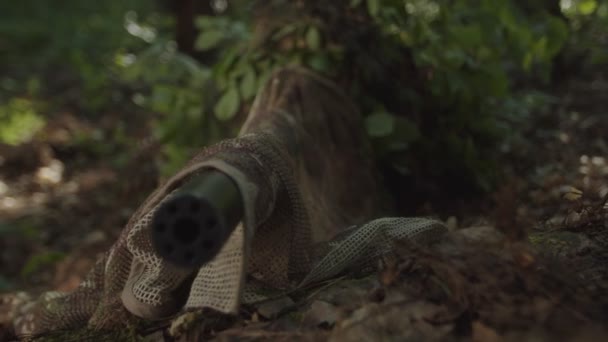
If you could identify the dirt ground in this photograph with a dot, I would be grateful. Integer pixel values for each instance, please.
(528, 264)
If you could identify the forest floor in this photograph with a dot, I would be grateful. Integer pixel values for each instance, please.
(528, 266)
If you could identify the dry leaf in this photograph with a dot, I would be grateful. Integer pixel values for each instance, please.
(273, 308)
(483, 333)
(321, 313)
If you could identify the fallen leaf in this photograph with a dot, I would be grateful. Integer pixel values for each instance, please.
(483, 333)
(321, 313)
(273, 308)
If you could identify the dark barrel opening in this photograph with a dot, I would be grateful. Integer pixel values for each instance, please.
(191, 227)
(186, 230)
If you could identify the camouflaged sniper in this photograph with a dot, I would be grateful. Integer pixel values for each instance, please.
(303, 169)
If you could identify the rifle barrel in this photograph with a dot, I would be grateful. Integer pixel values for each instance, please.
(191, 227)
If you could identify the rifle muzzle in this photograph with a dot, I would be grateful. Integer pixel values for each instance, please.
(190, 229)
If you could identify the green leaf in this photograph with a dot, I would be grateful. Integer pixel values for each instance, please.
(373, 7)
(19, 121)
(248, 84)
(204, 22)
(506, 17)
(284, 31)
(226, 108)
(313, 38)
(355, 3)
(540, 48)
(207, 40)
(380, 124)
(558, 31)
(320, 62)
(587, 7)
(162, 99)
(455, 57)
(240, 67)
(527, 62)
(470, 36)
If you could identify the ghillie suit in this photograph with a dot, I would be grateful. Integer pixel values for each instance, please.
(310, 195)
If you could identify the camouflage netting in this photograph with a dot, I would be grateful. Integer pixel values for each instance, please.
(310, 194)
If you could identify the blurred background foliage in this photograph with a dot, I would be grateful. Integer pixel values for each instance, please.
(442, 84)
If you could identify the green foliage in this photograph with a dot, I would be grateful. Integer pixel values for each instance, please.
(177, 90)
(589, 22)
(575, 8)
(228, 104)
(65, 47)
(470, 52)
(18, 121)
(219, 31)
(434, 78)
(457, 61)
